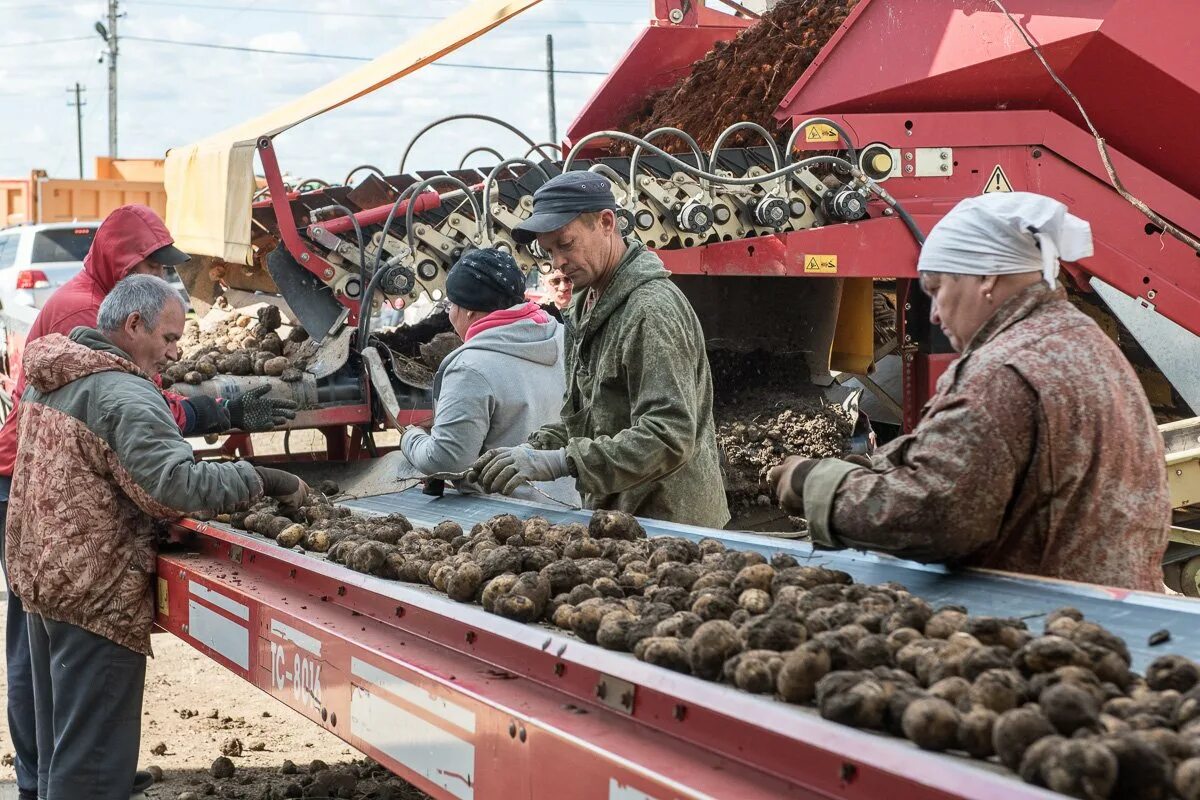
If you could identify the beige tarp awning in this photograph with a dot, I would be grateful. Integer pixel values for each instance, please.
(210, 184)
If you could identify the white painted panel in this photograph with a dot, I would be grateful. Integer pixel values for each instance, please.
(296, 637)
(619, 791)
(219, 600)
(410, 693)
(423, 747)
(220, 633)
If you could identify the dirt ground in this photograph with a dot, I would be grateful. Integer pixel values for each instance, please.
(194, 707)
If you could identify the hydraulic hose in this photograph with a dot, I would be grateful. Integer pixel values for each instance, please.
(451, 118)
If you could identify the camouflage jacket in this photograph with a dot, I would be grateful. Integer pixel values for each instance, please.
(100, 460)
(1039, 454)
(637, 419)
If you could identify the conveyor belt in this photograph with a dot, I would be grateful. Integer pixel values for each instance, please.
(1131, 615)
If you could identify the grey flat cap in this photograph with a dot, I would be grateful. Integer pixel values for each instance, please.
(563, 198)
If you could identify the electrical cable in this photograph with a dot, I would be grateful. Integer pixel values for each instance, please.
(481, 149)
(700, 173)
(1101, 144)
(487, 186)
(754, 126)
(339, 57)
(453, 117)
(631, 197)
(364, 306)
(553, 148)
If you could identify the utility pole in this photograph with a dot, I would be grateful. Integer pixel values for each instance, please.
(109, 35)
(78, 104)
(550, 86)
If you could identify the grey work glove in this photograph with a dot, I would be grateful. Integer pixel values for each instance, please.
(254, 411)
(505, 469)
(290, 491)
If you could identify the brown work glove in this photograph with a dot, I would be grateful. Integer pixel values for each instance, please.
(290, 491)
(787, 482)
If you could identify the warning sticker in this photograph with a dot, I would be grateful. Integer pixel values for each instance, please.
(997, 182)
(164, 598)
(820, 133)
(820, 265)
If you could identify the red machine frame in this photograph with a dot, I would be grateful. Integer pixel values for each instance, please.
(464, 704)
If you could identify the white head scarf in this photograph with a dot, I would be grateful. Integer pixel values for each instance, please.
(1004, 233)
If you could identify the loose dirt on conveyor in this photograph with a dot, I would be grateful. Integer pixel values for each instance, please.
(741, 79)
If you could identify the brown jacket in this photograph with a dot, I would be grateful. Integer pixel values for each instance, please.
(101, 460)
(1039, 454)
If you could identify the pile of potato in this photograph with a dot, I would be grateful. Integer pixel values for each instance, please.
(228, 342)
(1063, 710)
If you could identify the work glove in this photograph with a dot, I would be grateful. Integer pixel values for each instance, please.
(254, 411)
(505, 469)
(787, 482)
(290, 491)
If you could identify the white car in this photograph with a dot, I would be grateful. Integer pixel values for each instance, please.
(37, 259)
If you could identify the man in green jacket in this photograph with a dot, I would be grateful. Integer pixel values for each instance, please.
(637, 427)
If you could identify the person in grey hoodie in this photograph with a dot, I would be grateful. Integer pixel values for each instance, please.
(503, 383)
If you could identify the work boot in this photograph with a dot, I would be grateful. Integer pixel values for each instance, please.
(142, 781)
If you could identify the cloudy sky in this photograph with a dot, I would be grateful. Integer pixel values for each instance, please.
(172, 94)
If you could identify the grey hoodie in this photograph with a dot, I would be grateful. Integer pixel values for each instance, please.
(493, 391)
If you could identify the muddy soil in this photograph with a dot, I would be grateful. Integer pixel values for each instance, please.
(744, 78)
(766, 410)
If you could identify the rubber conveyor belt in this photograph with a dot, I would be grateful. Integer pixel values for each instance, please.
(1131, 615)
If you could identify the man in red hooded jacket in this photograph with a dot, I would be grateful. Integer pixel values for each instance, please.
(131, 240)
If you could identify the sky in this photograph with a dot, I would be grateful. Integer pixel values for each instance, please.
(171, 94)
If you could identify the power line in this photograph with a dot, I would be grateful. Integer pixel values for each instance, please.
(361, 14)
(340, 57)
(46, 41)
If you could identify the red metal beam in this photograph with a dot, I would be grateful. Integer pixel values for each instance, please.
(467, 704)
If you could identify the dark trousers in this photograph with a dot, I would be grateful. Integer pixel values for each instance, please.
(88, 697)
(21, 726)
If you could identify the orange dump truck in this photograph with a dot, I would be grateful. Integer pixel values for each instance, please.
(40, 198)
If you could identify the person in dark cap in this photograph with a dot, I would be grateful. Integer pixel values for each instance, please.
(636, 429)
(505, 381)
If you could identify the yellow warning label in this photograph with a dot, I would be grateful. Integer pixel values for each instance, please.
(820, 133)
(997, 182)
(164, 604)
(820, 265)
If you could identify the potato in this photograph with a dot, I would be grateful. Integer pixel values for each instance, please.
(975, 732)
(1069, 707)
(1172, 672)
(998, 689)
(862, 705)
(1143, 773)
(614, 628)
(1187, 779)
(756, 576)
(931, 723)
(290, 536)
(772, 632)
(615, 525)
(464, 582)
(756, 601)
(952, 690)
(712, 643)
(799, 673)
(757, 671)
(1015, 731)
(664, 651)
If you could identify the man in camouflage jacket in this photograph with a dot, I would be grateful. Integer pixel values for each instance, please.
(637, 428)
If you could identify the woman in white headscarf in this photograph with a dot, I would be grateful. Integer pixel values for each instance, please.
(1039, 453)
